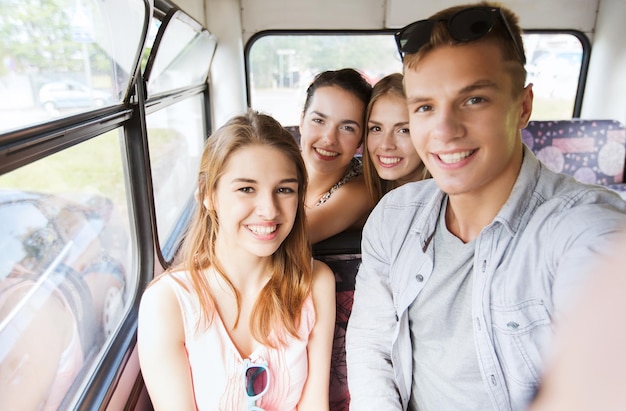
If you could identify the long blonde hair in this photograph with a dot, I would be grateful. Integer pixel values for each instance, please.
(281, 300)
(376, 186)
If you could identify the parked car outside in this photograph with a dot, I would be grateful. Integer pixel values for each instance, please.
(70, 94)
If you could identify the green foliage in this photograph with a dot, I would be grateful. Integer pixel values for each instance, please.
(94, 166)
(38, 34)
(315, 53)
(35, 33)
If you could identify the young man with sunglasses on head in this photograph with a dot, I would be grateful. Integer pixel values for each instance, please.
(464, 276)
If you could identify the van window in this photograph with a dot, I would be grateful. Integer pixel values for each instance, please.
(281, 66)
(66, 269)
(60, 58)
(176, 136)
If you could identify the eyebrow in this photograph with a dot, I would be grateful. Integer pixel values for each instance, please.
(253, 181)
(479, 85)
(378, 123)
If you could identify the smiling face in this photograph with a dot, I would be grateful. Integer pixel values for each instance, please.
(256, 201)
(465, 119)
(389, 142)
(331, 129)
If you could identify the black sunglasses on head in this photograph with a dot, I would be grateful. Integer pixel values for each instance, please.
(466, 25)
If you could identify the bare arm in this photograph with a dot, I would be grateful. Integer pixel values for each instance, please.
(316, 390)
(162, 355)
(349, 205)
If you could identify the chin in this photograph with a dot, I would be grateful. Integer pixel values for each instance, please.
(390, 176)
(265, 250)
(449, 187)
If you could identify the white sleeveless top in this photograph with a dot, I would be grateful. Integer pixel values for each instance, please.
(217, 367)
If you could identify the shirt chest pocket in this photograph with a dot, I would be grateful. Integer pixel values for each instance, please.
(521, 336)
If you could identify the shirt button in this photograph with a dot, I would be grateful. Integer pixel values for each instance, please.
(512, 325)
(420, 278)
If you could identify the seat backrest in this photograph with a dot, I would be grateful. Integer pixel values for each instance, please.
(591, 151)
(342, 253)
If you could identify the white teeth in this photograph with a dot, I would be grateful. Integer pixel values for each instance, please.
(390, 160)
(326, 153)
(262, 229)
(454, 157)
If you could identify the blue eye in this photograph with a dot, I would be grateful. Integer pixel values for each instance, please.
(475, 100)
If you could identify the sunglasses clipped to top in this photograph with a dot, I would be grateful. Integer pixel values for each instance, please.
(256, 379)
(466, 25)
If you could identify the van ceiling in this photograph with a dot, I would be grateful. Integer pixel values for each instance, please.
(377, 14)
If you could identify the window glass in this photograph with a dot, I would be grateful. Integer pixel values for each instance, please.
(176, 138)
(554, 64)
(66, 272)
(281, 66)
(184, 51)
(65, 56)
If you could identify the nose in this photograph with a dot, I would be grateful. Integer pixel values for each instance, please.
(267, 205)
(330, 135)
(448, 125)
(388, 141)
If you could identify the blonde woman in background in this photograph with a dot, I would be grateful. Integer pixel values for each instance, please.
(389, 157)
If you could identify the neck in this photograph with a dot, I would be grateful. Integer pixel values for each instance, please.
(466, 219)
(468, 213)
(244, 271)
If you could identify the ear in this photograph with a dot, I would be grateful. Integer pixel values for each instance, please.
(208, 204)
(526, 106)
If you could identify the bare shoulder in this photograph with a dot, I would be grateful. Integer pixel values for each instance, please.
(158, 300)
(355, 191)
(157, 289)
(356, 184)
(160, 318)
(323, 278)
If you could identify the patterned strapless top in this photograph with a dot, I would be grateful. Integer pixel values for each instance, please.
(354, 169)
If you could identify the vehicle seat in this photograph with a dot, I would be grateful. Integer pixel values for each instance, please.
(591, 151)
(342, 253)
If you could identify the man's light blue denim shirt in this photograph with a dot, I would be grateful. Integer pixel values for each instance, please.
(528, 263)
